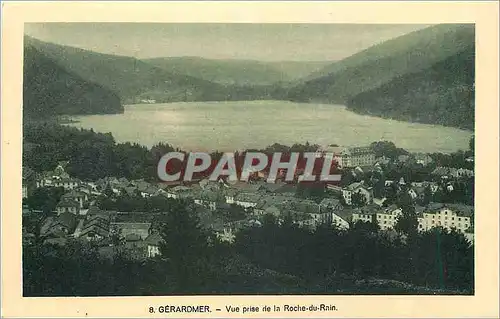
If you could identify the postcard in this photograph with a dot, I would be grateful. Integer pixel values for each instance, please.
(250, 159)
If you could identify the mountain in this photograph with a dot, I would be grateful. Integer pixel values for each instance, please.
(381, 63)
(440, 94)
(132, 79)
(49, 89)
(420, 77)
(135, 80)
(237, 72)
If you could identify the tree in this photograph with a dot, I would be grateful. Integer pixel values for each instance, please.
(108, 191)
(427, 196)
(407, 222)
(358, 199)
(45, 199)
(387, 149)
(185, 247)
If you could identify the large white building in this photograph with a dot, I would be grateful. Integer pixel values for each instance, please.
(350, 157)
(458, 217)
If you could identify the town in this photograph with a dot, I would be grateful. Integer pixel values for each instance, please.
(115, 212)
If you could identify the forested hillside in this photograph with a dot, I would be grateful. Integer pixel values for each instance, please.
(49, 89)
(399, 70)
(238, 72)
(441, 94)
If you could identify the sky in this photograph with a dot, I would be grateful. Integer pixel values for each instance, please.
(265, 42)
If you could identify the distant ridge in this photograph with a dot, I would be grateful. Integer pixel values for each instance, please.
(238, 72)
(391, 65)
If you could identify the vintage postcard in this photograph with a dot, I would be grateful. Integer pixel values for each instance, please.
(266, 159)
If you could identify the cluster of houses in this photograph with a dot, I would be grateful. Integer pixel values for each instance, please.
(77, 215)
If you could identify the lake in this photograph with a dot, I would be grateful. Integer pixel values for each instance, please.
(229, 126)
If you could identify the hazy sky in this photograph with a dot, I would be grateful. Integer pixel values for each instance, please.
(301, 42)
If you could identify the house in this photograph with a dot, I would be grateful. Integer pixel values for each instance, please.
(365, 214)
(230, 194)
(177, 192)
(448, 216)
(76, 196)
(269, 204)
(342, 218)
(142, 230)
(60, 226)
(28, 181)
(247, 200)
(447, 172)
(359, 188)
(68, 206)
(301, 207)
(422, 159)
(388, 218)
(350, 157)
(153, 245)
(358, 156)
(24, 190)
(96, 228)
(209, 199)
(462, 172)
(66, 183)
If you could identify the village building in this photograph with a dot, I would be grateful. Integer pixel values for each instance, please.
(178, 192)
(153, 242)
(359, 188)
(365, 214)
(246, 199)
(60, 226)
(76, 196)
(28, 181)
(96, 228)
(271, 204)
(68, 206)
(209, 199)
(350, 157)
(230, 194)
(422, 159)
(142, 230)
(448, 216)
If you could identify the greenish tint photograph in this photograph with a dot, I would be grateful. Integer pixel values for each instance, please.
(103, 103)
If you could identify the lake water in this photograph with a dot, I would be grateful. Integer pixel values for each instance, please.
(229, 126)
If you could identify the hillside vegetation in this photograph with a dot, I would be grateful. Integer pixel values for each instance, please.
(135, 80)
(130, 78)
(51, 90)
(237, 72)
(441, 94)
(406, 65)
